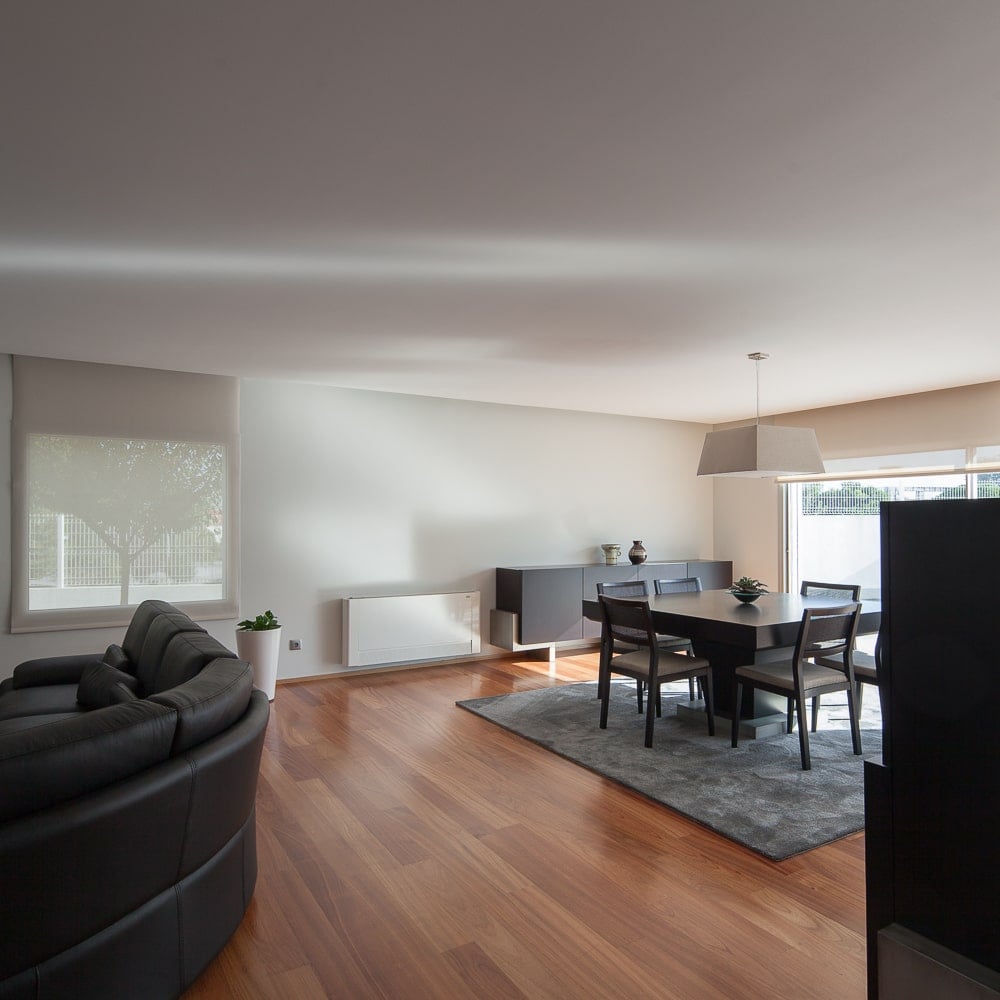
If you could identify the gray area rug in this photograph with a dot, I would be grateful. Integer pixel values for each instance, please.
(756, 795)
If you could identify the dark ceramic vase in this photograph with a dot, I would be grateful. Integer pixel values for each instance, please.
(637, 554)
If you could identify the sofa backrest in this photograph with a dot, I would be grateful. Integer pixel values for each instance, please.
(149, 668)
(183, 657)
(66, 758)
(210, 702)
(143, 616)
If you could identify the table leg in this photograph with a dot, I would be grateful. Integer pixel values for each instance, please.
(761, 713)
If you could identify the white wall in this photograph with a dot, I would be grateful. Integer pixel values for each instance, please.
(349, 493)
(748, 512)
(352, 493)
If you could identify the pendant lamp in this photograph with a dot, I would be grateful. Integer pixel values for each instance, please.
(760, 449)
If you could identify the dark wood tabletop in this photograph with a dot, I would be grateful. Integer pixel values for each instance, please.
(715, 616)
(732, 634)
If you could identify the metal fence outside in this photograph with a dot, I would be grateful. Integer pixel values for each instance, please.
(852, 499)
(65, 552)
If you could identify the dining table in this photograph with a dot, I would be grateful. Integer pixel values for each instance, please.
(730, 634)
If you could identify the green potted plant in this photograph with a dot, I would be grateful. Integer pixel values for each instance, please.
(747, 589)
(258, 641)
(262, 623)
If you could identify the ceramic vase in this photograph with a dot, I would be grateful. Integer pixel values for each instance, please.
(612, 550)
(260, 650)
(637, 554)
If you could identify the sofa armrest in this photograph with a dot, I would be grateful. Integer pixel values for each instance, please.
(52, 670)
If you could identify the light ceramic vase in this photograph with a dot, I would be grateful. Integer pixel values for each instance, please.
(611, 553)
(260, 650)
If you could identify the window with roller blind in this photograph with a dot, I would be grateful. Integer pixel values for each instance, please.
(832, 521)
(126, 487)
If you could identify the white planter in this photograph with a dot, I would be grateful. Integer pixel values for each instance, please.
(260, 650)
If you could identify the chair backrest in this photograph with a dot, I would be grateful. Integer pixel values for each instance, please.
(827, 632)
(626, 620)
(627, 588)
(834, 591)
(682, 585)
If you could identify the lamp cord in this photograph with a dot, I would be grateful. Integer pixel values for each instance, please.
(757, 357)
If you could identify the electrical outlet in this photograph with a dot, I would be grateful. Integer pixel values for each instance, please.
(294, 643)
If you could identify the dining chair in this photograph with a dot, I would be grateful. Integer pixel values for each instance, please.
(682, 585)
(630, 620)
(833, 592)
(866, 669)
(624, 588)
(829, 632)
(639, 588)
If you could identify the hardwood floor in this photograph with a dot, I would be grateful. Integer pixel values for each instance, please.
(410, 849)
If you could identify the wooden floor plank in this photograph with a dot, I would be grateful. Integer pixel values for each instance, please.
(408, 849)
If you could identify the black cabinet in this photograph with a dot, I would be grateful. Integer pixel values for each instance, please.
(933, 803)
(547, 600)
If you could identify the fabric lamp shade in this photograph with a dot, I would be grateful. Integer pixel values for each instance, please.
(760, 450)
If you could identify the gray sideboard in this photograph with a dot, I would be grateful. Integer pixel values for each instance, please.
(542, 605)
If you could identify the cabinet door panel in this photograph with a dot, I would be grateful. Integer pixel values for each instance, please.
(551, 604)
(662, 571)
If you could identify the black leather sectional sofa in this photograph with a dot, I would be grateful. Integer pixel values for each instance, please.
(127, 823)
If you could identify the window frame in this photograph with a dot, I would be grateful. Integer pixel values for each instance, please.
(866, 469)
(81, 399)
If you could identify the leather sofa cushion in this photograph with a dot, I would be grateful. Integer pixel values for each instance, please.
(114, 656)
(102, 685)
(148, 668)
(46, 764)
(44, 700)
(184, 656)
(30, 721)
(143, 616)
(210, 702)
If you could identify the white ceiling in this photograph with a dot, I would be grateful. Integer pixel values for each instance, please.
(589, 205)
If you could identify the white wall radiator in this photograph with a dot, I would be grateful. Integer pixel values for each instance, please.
(404, 629)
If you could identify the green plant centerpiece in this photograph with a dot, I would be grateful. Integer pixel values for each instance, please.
(747, 589)
(262, 623)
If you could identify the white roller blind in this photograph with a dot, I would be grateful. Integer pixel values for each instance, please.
(126, 487)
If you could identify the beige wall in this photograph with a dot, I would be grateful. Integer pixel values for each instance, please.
(748, 512)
